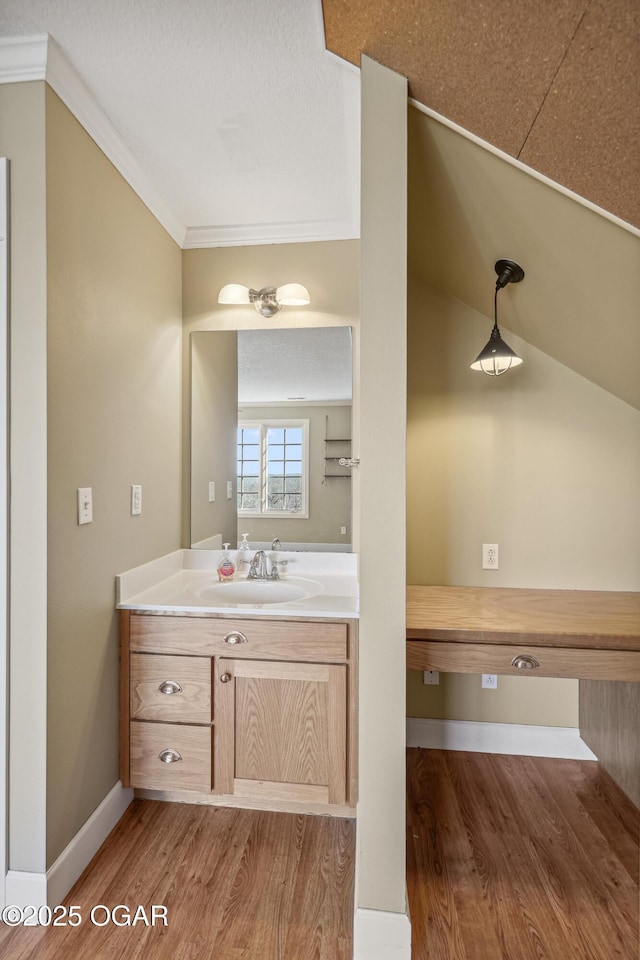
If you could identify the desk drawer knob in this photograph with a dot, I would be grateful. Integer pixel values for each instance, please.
(235, 637)
(169, 756)
(525, 662)
(170, 687)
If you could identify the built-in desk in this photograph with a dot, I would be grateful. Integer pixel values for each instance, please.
(589, 635)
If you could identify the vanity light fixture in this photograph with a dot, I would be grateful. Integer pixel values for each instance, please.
(497, 357)
(268, 300)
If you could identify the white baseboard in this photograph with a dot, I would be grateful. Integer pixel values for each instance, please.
(521, 739)
(26, 889)
(379, 935)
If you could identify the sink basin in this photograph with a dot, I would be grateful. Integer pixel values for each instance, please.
(258, 591)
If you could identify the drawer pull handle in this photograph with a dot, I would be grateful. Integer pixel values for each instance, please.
(525, 662)
(169, 756)
(225, 677)
(170, 687)
(235, 637)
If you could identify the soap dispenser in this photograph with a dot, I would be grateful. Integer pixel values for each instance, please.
(244, 549)
(226, 567)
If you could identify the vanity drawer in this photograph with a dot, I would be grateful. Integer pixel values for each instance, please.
(506, 659)
(174, 689)
(252, 639)
(188, 748)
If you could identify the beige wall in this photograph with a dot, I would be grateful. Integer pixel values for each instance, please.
(330, 271)
(541, 461)
(114, 396)
(22, 141)
(214, 417)
(329, 500)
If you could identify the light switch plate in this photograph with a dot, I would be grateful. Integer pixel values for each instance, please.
(136, 499)
(229, 489)
(431, 677)
(212, 491)
(85, 505)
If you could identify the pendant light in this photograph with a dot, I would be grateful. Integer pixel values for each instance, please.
(497, 357)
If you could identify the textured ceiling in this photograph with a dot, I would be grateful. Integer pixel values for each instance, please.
(554, 84)
(312, 364)
(235, 111)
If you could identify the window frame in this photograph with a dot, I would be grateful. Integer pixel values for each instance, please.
(263, 426)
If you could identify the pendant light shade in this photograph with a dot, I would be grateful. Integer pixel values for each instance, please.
(497, 357)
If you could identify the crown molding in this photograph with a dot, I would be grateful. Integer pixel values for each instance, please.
(301, 231)
(40, 58)
(23, 58)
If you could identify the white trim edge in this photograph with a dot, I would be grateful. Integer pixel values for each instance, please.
(379, 935)
(303, 231)
(520, 739)
(519, 165)
(26, 889)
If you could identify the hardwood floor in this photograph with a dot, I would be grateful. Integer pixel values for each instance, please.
(237, 885)
(519, 858)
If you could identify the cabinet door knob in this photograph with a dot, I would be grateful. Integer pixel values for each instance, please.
(525, 662)
(225, 677)
(169, 756)
(170, 687)
(235, 637)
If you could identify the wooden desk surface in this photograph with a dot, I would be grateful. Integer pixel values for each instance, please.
(589, 619)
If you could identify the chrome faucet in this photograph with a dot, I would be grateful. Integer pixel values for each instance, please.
(259, 569)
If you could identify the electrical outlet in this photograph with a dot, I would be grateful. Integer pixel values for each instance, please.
(229, 489)
(85, 505)
(212, 490)
(490, 556)
(136, 499)
(343, 530)
(490, 681)
(431, 677)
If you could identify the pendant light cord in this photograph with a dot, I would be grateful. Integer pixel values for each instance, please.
(495, 309)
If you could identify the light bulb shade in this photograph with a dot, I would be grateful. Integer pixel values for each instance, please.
(234, 293)
(293, 295)
(496, 357)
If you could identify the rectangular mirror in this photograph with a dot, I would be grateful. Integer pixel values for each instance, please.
(270, 422)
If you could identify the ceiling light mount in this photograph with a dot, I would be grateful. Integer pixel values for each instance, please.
(268, 300)
(497, 357)
(508, 272)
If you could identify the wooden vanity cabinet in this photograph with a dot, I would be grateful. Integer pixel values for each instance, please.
(240, 710)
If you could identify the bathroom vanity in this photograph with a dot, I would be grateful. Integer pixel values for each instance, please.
(241, 703)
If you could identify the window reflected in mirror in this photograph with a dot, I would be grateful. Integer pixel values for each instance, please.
(270, 422)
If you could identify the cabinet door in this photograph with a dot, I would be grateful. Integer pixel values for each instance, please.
(281, 730)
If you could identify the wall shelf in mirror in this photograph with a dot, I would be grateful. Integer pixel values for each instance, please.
(333, 455)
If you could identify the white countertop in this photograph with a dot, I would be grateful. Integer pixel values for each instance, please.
(185, 581)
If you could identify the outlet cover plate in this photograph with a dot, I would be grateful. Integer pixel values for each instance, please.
(490, 556)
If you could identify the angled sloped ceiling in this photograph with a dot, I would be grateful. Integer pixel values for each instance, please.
(556, 85)
(580, 299)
